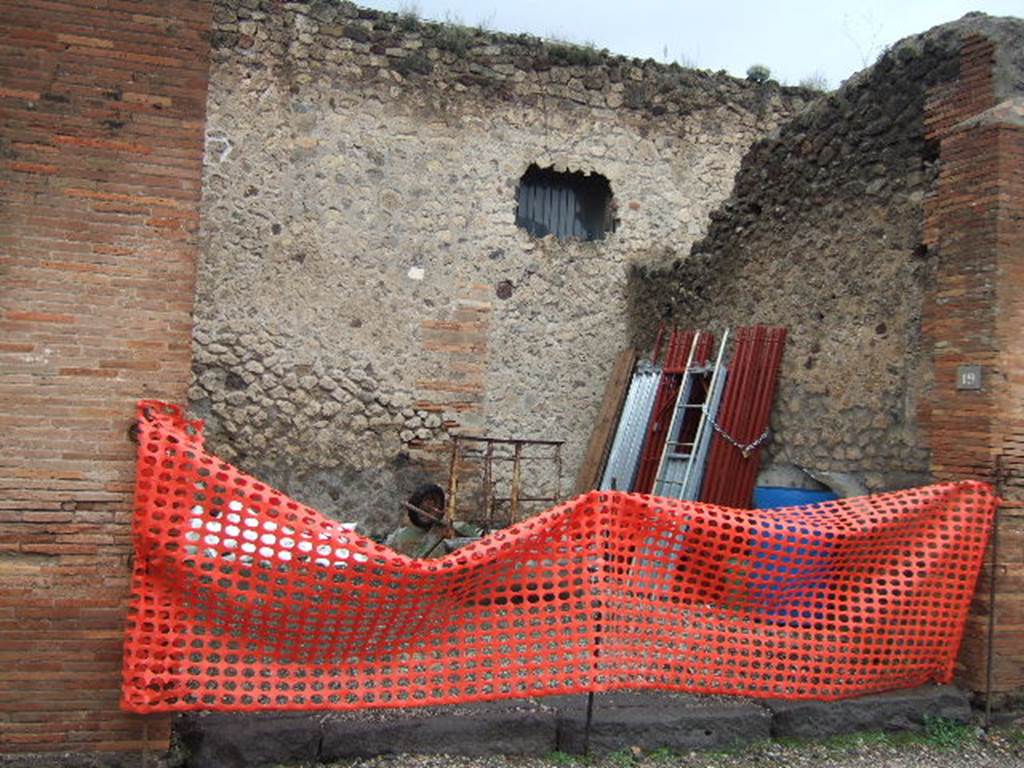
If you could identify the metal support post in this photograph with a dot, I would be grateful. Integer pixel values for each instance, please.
(516, 480)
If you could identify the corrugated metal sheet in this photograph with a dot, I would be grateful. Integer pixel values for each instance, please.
(629, 436)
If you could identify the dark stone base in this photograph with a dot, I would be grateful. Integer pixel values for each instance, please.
(895, 711)
(538, 727)
(657, 720)
(480, 729)
(249, 738)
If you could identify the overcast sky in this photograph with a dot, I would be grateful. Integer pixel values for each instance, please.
(796, 39)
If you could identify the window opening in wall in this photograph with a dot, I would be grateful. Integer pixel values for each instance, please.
(566, 205)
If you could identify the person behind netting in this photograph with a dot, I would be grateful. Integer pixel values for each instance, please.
(425, 537)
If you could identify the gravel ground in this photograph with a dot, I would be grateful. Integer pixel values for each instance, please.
(953, 747)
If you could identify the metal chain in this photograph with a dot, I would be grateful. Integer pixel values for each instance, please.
(747, 449)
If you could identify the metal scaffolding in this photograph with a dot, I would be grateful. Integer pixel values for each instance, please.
(486, 482)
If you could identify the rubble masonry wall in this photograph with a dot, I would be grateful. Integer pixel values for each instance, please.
(822, 234)
(359, 220)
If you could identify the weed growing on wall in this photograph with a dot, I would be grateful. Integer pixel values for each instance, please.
(758, 73)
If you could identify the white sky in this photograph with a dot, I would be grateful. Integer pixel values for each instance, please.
(795, 38)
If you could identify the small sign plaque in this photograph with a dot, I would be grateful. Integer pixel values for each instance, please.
(968, 377)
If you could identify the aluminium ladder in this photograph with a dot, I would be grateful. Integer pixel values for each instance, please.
(681, 468)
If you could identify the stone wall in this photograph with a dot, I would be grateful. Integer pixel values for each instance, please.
(823, 234)
(882, 227)
(101, 140)
(364, 290)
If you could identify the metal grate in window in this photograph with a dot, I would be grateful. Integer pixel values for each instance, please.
(566, 205)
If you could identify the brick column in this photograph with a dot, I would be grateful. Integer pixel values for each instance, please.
(1003, 129)
(460, 343)
(973, 316)
(102, 108)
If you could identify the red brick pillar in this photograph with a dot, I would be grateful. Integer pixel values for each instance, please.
(102, 109)
(973, 317)
(1003, 127)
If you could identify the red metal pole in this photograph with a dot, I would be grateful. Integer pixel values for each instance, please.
(740, 419)
(656, 351)
(744, 415)
(661, 413)
(747, 434)
(717, 456)
(768, 355)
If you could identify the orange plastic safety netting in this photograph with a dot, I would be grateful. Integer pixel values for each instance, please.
(244, 599)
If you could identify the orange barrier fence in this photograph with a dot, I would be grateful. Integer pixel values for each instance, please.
(243, 599)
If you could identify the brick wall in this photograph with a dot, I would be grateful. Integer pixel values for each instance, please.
(973, 316)
(102, 108)
(459, 346)
(1008, 646)
(959, 314)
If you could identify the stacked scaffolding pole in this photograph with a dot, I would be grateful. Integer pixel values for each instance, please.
(742, 423)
